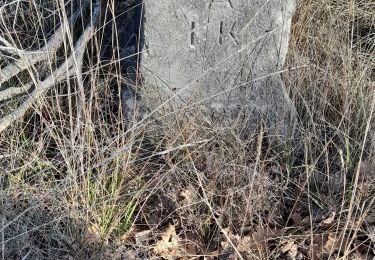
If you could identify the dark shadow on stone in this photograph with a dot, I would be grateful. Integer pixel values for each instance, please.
(121, 47)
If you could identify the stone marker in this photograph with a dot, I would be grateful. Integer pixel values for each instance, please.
(223, 54)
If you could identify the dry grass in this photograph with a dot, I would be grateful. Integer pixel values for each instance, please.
(78, 180)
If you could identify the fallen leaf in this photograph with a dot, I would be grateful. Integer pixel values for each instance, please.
(331, 244)
(168, 246)
(92, 234)
(226, 246)
(356, 256)
(290, 248)
(248, 245)
(127, 235)
(189, 195)
(191, 243)
(142, 238)
(243, 245)
(300, 256)
(124, 253)
(263, 236)
(329, 220)
(297, 219)
(335, 244)
(313, 252)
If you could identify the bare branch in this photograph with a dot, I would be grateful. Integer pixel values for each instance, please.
(29, 59)
(14, 91)
(63, 72)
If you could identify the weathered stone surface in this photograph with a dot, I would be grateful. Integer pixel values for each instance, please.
(223, 54)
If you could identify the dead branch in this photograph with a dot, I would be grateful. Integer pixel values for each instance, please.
(14, 91)
(29, 59)
(71, 67)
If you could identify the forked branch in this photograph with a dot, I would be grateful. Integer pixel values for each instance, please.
(29, 59)
(71, 67)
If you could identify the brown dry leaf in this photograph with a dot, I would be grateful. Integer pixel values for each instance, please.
(123, 252)
(191, 244)
(262, 236)
(190, 249)
(242, 244)
(313, 252)
(128, 234)
(329, 220)
(142, 238)
(168, 246)
(92, 234)
(247, 245)
(333, 244)
(297, 219)
(290, 248)
(226, 246)
(189, 195)
(359, 256)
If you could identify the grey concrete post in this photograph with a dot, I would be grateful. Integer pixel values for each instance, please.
(223, 55)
